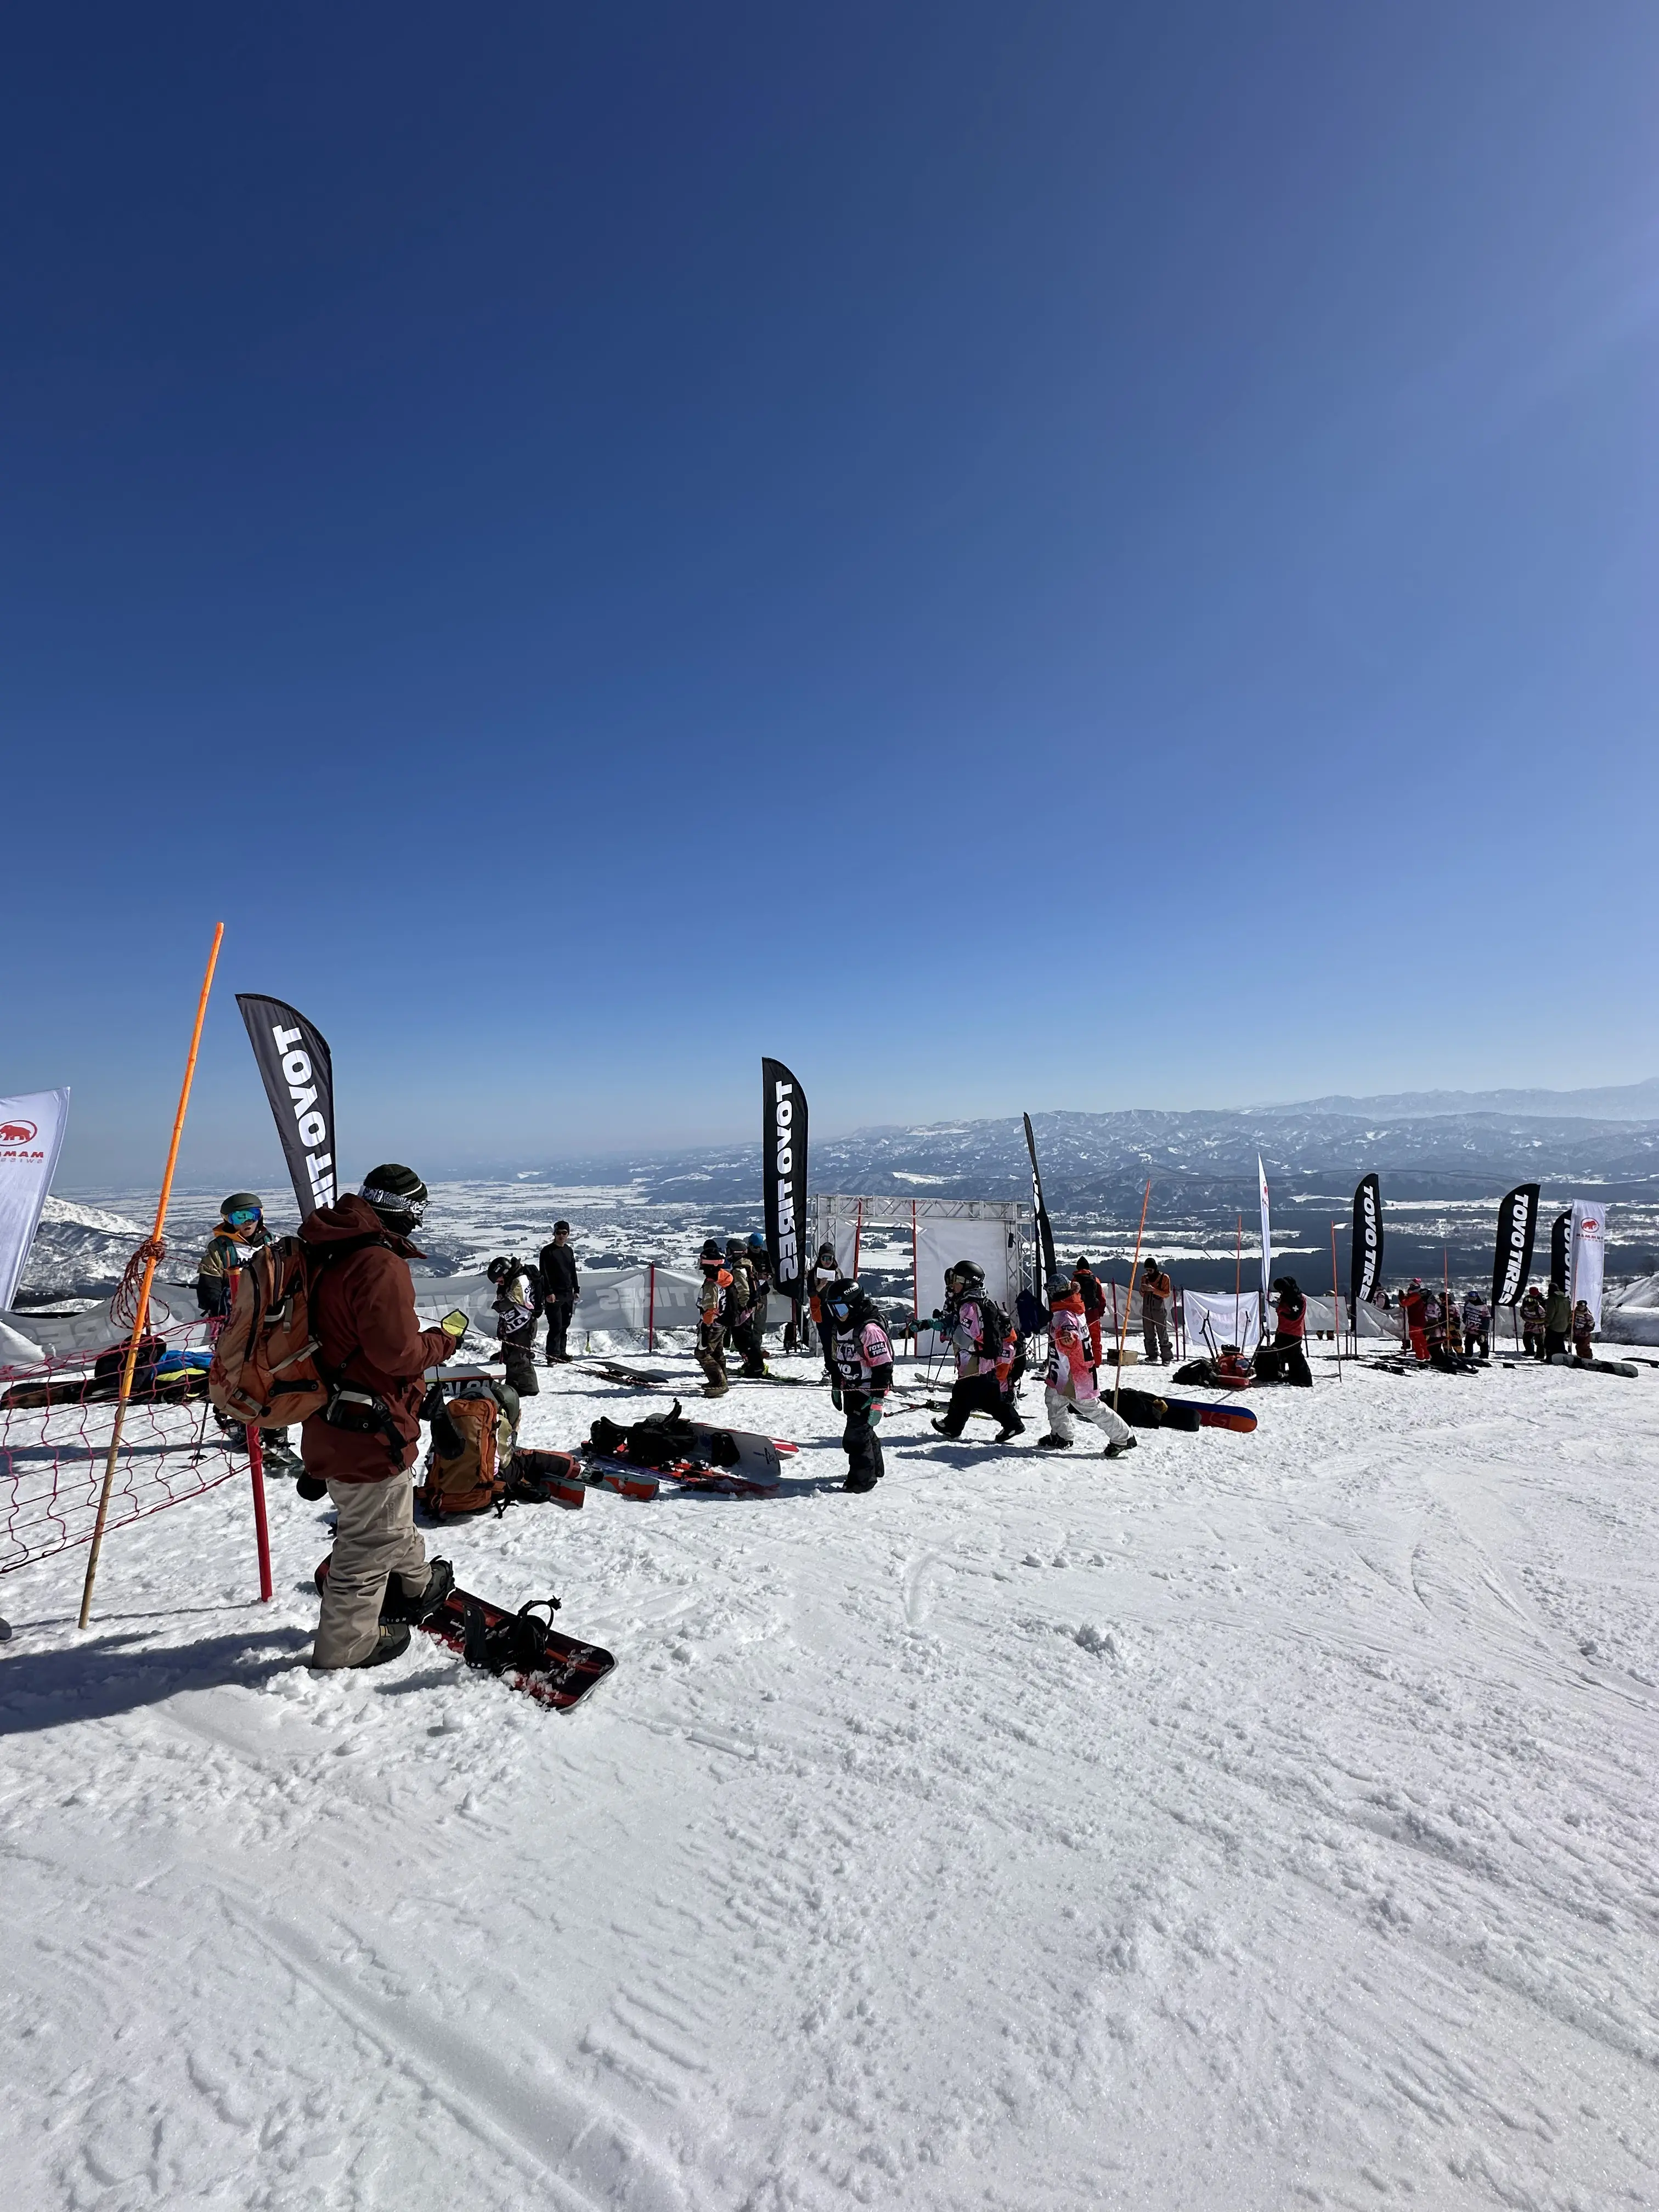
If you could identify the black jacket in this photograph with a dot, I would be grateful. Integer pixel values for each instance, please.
(558, 1267)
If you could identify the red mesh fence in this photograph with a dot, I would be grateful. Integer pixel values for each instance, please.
(56, 1422)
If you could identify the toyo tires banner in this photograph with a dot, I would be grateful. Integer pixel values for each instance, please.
(1560, 1265)
(32, 1127)
(1517, 1223)
(297, 1070)
(783, 1175)
(1365, 1259)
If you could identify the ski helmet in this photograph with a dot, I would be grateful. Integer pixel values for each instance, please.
(710, 1255)
(757, 1242)
(844, 1301)
(968, 1274)
(498, 1271)
(242, 1209)
(396, 1194)
(1059, 1286)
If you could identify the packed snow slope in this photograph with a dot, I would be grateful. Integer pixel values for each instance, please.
(1253, 1822)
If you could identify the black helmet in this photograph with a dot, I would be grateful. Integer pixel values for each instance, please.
(1081, 1264)
(396, 1194)
(845, 1302)
(710, 1255)
(968, 1272)
(498, 1271)
(734, 1248)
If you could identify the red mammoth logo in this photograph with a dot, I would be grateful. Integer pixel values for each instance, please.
(16, 1132)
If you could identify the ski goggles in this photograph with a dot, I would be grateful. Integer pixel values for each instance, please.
(839, 1307)
(395, 1201)
(245, 1217)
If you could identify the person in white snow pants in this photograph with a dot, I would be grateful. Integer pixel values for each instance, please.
(1070, 1385)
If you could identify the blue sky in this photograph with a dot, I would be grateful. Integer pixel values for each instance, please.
(1057, 556)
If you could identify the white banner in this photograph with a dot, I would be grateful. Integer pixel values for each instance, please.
(31, 1136)
(1588, 1253)
(1232, 1319)
(1267, 1236)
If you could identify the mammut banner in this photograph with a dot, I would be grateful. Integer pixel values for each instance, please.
(783, 1174)
(1517, 1221)
(1044, 1231)
(1560, 1240)
(1366, 1261)
(32, 1127)
(1589, 1239)
(298, 1072)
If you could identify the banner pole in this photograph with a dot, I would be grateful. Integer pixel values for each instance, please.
(256, 1467)
(1118, 1386)
(152, 1251)
(1336, 1305)
(651, 1311)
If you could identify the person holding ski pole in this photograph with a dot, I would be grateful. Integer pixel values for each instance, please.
(987, 1344)
(860, 1377)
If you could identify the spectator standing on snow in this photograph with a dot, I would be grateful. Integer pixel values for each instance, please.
(1155, 1288)
(740, 1303)
(825, 1270)
(1094, 1303)
(861, 1376)
(1413, 1301)
(711, 1319)
(362, 1445)
(1558, 1321)
(986, 1344)
(1532, 1321)
(1070, 1387)
(518, 1308)
(1583, 1332)
(240, 1232)
(760, 1268)
(561, 1288)
(1290, 1332)
(1477, 1325)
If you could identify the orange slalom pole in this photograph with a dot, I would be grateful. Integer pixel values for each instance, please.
(152, 1255)
(1117, 1387)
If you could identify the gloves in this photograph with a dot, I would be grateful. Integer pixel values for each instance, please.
(311, 1487)
(454, 1325)
(834, 1396)
(874, 1414)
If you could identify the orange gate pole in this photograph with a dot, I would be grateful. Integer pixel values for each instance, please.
(153, 1251)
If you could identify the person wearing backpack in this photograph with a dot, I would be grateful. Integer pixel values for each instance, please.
(744, 1302)
(1289, 1331)
(561, 1288)
(1070, 1387)
(518, 1307)
(712, 1295)
(1094, 1303)
(240, 1233)
(987, 1344)
(374, 1355)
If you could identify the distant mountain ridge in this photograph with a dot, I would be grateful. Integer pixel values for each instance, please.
(1622, 1102)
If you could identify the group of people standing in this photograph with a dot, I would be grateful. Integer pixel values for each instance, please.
(732, 1308)
(526, 1294)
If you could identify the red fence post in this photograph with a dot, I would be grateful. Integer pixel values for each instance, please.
(256, 1467)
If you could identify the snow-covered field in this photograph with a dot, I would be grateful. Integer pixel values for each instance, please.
(1256, 1822)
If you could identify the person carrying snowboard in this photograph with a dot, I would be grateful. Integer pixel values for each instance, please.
(1532, 1321)
(1155, 1291)
(240, 1232)
(1094, 1303)
(861, 1376)
(1290, 1330)
(518, 1307)
(362, 1445)
(711, 1319)
(986, 1344)
(561, 1288)
(1070, 1387)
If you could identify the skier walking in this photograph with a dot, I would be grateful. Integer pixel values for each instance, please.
(1094, 1303)
(986, 1344)
(861, 1375)
(561, 1288)
(362, 1445)
(711, 1319)
(240, 1232)
(518, 1308)
(1070, 1387)
(1155, 1288)
(1289, 1331)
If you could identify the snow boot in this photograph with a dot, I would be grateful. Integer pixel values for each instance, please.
(397, 1606)
(1054, 1444)
(391, 1642)
(955, 1435)
(861, 1482)
(1014, 1426)
(1117, 1451)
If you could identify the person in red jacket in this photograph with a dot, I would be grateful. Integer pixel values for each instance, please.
(1413, 1303)
(1094, 1302)
(373, 1354)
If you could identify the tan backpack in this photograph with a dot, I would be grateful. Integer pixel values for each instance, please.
(265, 1366)
(471, 1446)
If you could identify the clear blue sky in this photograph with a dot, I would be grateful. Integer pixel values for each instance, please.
(1041, 555)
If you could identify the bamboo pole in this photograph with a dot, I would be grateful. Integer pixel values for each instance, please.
(1117, 1387)
(153, 1253)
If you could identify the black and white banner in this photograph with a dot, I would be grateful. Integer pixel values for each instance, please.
(783, 1175)
(298, 1072)
(1560, 1250)
(1045, 1234)
(1517, 1221)
(1366, 1261)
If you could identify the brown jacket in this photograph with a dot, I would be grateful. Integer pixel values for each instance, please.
(362, 1313)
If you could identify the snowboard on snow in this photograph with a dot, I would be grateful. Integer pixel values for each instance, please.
(527, 1654)
(691, 1455)
(1149, 1409)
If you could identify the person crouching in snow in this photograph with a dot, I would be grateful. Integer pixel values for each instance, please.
(861, 1377)
(362, 1445)
(1070, 1386)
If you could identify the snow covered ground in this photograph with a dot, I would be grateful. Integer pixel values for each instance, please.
(1256, 1822)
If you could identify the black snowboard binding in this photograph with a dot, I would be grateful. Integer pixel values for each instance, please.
(516, 1640)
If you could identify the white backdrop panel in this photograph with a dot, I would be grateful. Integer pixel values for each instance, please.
(994, 1244)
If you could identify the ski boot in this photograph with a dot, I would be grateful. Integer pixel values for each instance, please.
(391, 1642)
(1054, 1444)
(1117, 1451)
(1010, 1428)
(941, 1428)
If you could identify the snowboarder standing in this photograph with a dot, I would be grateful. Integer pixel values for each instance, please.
(1094, 1303)
(740, 1301)
(1070, 1386)
(561, 1288)
(240, 1233)
(1532, 1323)
(362, 1445)
(986, 1344)
(1155, 1289)
(518, 1308)
(711, 1319)
(1289, 1331)
(861, 1375)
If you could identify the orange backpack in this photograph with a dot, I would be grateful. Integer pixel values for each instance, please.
(464, 1469)
(264, 1365)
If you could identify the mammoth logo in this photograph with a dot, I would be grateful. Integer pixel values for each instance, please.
(17, 1133)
